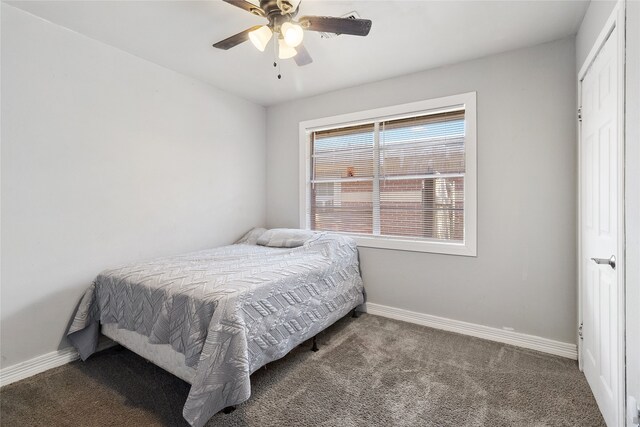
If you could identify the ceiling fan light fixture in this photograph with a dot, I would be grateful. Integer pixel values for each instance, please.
(292, 33)
(285, 51)
(260, 37)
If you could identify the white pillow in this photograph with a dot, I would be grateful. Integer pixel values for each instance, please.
(251, 237)
(285, 237)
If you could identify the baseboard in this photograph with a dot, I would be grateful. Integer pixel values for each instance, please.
(39, 364)
(57, 358)
(518, 339)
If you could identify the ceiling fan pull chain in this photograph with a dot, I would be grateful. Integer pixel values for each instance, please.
(275, 62)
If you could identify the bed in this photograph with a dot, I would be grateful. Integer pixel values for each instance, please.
(214, 317)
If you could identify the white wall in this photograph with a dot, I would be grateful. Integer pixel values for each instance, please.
(524, 276)
(592, 23)
(107, 159)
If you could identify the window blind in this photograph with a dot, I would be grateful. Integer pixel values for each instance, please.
(398, 177)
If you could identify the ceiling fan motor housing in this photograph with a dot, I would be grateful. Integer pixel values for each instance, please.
(288, 6)
(278, 7)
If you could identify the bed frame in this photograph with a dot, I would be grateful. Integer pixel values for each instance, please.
(164, 356)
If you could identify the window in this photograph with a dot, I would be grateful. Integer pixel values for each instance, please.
(402, 177)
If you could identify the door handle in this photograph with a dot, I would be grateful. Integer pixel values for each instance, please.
(611, 261)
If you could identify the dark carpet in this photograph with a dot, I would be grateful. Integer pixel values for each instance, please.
(369, 371)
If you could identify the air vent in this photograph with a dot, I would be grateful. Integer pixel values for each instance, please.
(350, 15)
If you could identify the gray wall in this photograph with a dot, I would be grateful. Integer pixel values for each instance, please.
(592, 23)
(106, 159)
(524, 276)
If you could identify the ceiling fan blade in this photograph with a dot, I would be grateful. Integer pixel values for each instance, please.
(248, 6)
(302, 58)
(236, 39)
(330, 24)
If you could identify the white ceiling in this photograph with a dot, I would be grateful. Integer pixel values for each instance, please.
(406, 36)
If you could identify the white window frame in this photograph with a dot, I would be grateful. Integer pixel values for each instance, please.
(466, 100)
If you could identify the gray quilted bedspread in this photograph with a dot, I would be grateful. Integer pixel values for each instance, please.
(229, 310)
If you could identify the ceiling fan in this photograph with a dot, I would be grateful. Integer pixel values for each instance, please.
(289, 32)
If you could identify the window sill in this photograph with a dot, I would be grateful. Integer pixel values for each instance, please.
(399, 244)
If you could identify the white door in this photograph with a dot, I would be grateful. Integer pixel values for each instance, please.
(599, 229)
